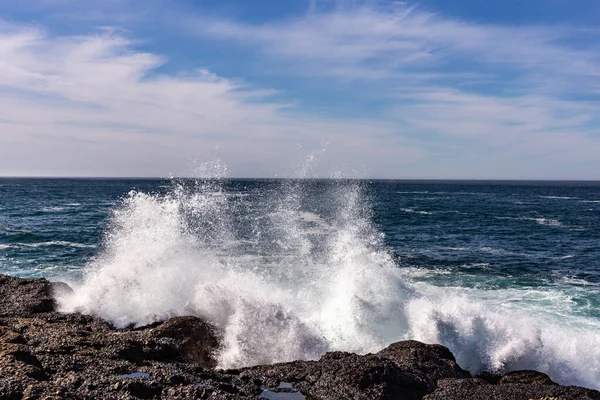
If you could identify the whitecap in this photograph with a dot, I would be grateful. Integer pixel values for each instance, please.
(410, 210)
(52, 209)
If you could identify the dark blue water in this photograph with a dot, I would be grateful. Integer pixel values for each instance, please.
(498, 252)
(519, 232)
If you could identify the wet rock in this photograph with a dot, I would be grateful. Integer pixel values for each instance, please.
(198, 339)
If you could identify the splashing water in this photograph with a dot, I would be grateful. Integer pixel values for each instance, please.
(298, 269)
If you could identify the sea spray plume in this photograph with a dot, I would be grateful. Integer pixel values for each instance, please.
(363, 296)
(318, 294)
(179, 254)
(146, 270)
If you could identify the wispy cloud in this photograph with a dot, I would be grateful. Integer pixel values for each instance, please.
(382, 42)
(453, 98)
(129, 119)
(514, 91)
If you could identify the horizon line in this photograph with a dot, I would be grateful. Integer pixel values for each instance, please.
(298, 178)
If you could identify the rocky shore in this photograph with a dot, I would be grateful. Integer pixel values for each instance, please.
(49, 355)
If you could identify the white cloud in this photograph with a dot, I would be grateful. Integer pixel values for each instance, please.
(91, 105)
(461, 99)
(366, 42)
(512, 93)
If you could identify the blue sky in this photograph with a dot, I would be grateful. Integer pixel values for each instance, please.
(494, 89)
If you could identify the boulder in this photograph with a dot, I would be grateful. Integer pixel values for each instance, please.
(197, 339)
(24, 297)
(427, 362)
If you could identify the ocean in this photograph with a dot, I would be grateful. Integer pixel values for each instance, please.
(504, 273)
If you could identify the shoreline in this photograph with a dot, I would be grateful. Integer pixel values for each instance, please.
(52, 355)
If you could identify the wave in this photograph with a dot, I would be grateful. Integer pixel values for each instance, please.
(577, 281)
(545, 221)
(538, 220)
(410, 210)
(288, 294)
(52, 209)
(558, 197)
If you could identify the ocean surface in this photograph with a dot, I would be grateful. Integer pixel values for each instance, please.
(506, 274)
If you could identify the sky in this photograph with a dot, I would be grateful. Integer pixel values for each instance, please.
(461, 89)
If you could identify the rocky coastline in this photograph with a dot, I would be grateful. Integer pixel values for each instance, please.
(45, 354)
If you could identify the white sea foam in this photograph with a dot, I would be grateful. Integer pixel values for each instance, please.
(558, 197)
(539, 220)
(303, 294)
(410, 210)
(544, 221)
(577, 281)
(52, 209)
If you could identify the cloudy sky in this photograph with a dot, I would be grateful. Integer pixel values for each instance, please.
(430, 89)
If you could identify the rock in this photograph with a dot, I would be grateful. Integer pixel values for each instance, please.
(428, 362)
(143, 389)
(24, 297)
(407, 370)
(198, 339)
(527, 377)
(479, 389)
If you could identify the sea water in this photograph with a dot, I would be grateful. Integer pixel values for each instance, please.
(506, 274)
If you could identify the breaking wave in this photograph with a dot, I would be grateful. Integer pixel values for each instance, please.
(300, 269)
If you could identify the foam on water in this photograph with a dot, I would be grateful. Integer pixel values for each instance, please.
(410, 210)
(296, 294)
(53, 209)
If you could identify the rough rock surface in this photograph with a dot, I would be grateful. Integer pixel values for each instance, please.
(479, 389)
(48, 355)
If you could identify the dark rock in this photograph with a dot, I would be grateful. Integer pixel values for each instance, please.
(489, 377)
(24, 297)
(527, 377)
(479, 389)
(198, 339)
(143, 389)
(407, 370)
(428, 362)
